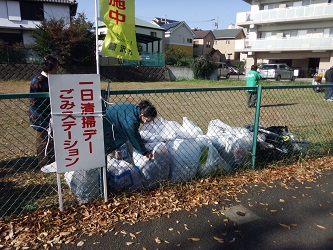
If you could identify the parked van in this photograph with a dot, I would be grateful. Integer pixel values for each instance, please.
(276, 71)
(222, 70)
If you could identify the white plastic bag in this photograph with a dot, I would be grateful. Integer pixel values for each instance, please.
(85, 184)
(190, 130)
(156, 170)
(50, 168)
(233, 143)
(185, 154)
(167, 130)
(211, 162)
(122, 176)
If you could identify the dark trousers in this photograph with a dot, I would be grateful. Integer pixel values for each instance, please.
(45, 148)
(251, 99)
(329, 91)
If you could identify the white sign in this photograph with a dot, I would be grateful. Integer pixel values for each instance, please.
(76, 111)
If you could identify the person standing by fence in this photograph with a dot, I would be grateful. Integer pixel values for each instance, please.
(40, 111)
(329, 80)
(252, 80)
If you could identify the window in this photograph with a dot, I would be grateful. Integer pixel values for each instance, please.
(153, 34)
(11, 37)
(267, 7)
(189, 40)
(208, 44)
(227, 42)
(32, 10)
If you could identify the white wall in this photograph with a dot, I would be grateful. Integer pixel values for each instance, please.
(180, 36)
(14, 21)
(56, 11)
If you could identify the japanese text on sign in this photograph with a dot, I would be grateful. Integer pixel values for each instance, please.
(115, 14)
(77, 122)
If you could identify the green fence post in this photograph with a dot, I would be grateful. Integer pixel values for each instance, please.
(256, 126)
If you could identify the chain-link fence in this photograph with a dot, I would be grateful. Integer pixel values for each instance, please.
(18, 55)
(198, 132)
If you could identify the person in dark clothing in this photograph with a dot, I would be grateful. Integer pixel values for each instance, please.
(122, 123)
(329, 80)
(40, 111)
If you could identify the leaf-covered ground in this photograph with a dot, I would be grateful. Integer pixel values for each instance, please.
(47, 228)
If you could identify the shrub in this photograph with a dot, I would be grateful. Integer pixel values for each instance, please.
(203, 67)
(175, 57)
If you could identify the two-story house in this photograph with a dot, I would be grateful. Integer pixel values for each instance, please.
(179, 35)
(202, 42)
(296, 32)
(19, 17)
(161, 21)
(225, 42)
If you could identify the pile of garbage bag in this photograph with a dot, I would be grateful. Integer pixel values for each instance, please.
(181, 152)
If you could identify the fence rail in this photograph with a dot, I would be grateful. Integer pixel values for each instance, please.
(199, 132)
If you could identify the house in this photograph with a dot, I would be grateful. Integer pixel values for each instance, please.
(225, 42)
(19, 17)
(298, 33)
(161, 21)
(150, 39)
(178, 35)
(203, 42)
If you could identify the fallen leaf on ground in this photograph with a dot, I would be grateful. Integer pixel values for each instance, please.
(132, 235)
(322, 227)
(194, 239)
(80, 244)
(219, 240)
(284, 225)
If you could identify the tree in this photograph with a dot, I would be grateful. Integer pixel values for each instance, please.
(73, 43)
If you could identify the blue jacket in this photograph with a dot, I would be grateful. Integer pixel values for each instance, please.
(121, 124)
(39, 109)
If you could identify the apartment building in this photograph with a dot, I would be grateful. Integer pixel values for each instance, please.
(298, 33)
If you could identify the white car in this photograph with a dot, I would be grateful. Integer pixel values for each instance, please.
(277, 72)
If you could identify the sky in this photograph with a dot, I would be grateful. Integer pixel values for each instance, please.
(196, 13)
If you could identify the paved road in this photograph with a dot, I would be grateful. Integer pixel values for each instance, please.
(297, 216)
(242, 77)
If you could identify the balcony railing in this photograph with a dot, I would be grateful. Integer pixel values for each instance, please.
(316, 11)
(285, 44)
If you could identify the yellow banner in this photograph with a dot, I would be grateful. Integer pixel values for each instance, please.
(120, 39)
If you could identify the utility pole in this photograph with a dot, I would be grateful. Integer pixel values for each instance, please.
(216, 23)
